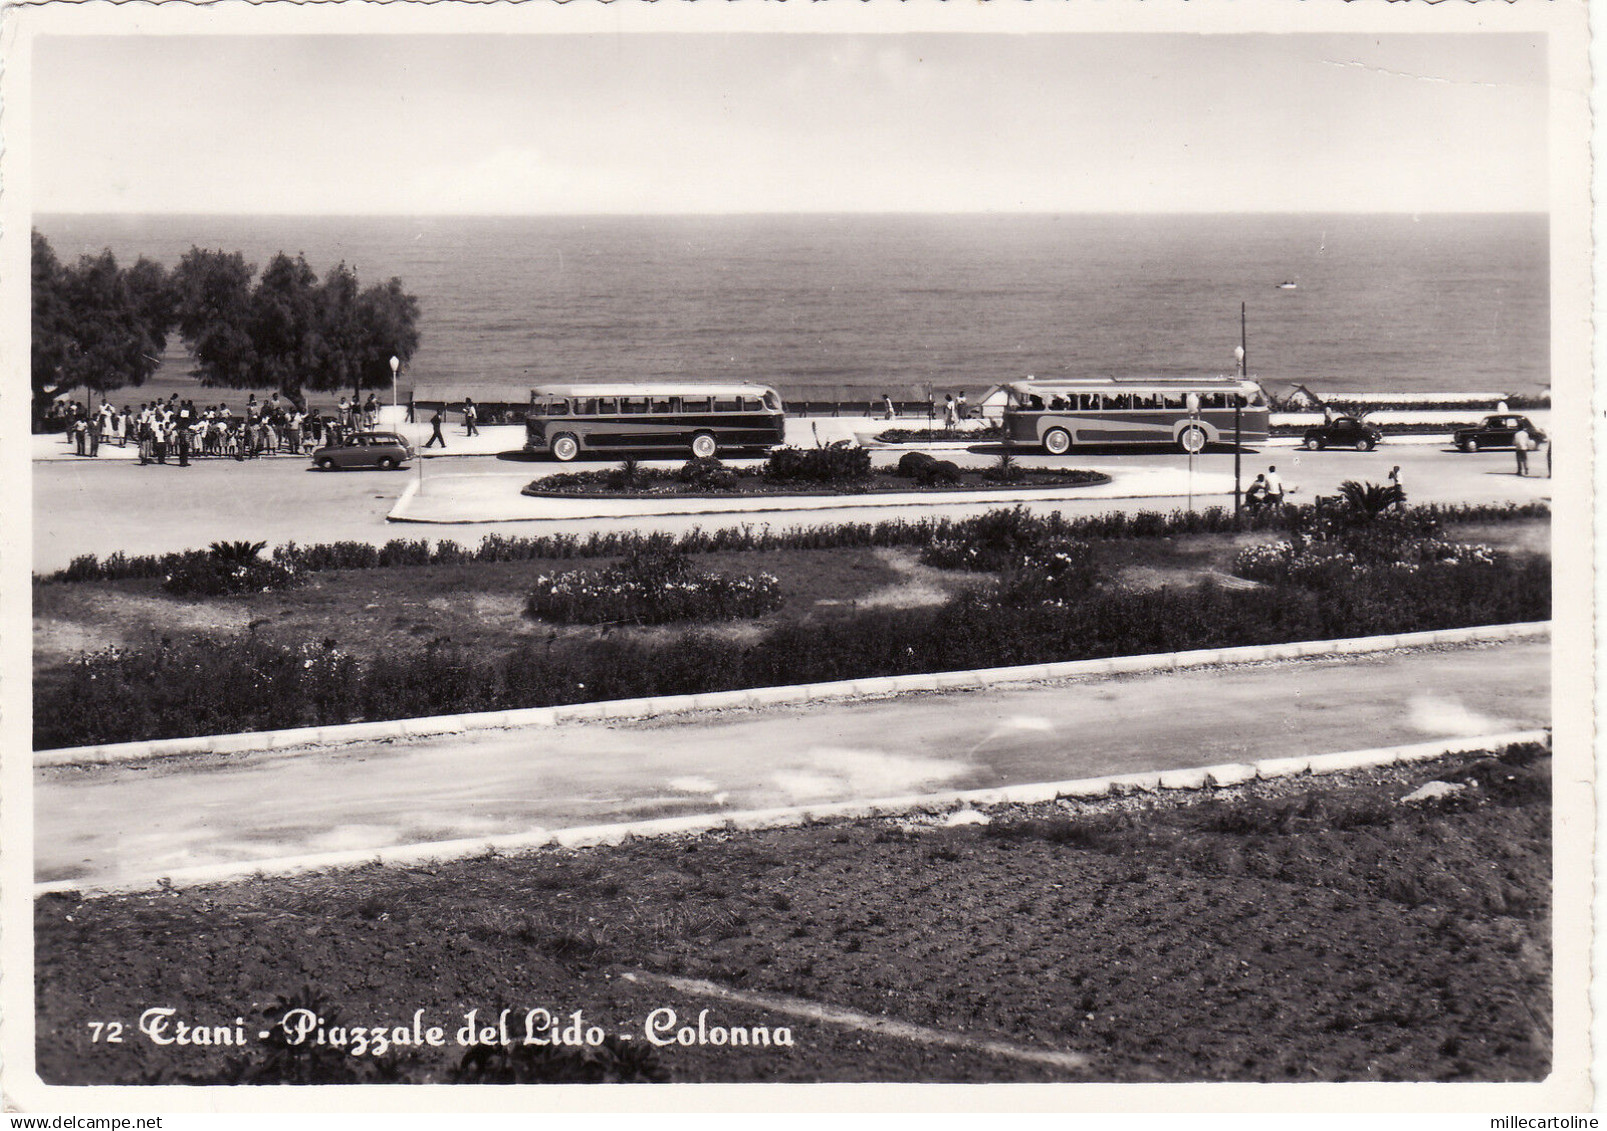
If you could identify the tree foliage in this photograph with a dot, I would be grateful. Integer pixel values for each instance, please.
(99, 325)
(94, 323)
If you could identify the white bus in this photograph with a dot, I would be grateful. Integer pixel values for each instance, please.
(1189, 412)
(665, 418)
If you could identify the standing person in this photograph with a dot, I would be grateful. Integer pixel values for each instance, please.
(471, 417)
(1274, 488)
(1548, 457)
(1522, 444)
(435, 431)
(80, 431)
(949, 416)
(96, 422)
(125, 425)
(887, 407)
(1395, 482)
(960, 409)
(181, 431)
(159, 430)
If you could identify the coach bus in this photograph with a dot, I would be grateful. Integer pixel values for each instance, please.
(665, 418)
(1189, 412)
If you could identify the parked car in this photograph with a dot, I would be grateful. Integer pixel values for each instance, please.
(1344, 432)
(1495, 432)
(364, 449)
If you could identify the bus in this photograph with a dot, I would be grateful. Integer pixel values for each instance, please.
(1189, 412)
(663, 418)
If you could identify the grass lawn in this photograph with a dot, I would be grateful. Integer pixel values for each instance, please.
(1301, 929)
(478, 606)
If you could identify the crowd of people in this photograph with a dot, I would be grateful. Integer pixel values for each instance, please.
(177, 430)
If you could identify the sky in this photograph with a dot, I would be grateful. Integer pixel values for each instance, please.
(658, 123)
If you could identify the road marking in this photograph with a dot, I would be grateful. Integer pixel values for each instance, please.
(862, 1022)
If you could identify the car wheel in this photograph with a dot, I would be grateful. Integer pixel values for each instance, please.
(326, 464)
(1470, 445)
(386, 463)
(704, 446)
(1365, 446)
(1192, 439)
(1309, 443)
(1057, 441)
(1319, 444)
(565, 447)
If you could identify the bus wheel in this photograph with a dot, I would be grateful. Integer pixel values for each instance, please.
(704, 446)
(1057, 441)
(1192, 439)
(565, 447)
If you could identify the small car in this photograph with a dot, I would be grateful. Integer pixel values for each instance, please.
(1343, 432)
(384, 450)
(1495, 432)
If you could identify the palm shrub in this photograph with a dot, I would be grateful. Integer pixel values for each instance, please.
(228, 569)
(1366, 501)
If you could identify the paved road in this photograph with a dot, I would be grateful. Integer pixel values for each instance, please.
(108, 824)
(97, 507)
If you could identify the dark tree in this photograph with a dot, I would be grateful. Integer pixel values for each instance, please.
(52, 344)
(213, 300)
(152, 289)
(388, 316)
(284, 327)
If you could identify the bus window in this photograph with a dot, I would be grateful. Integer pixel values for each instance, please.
(1057, 402)
(1035, 403)
(730, 404)
(538, 408)
(694, 404)
(607, 406)
(585, 406)
(1255, 399)
(664, 404)
(1117, 401)
(1176, 400)
(558, 407)
(632, 404)
(1087, 402)
(771, 401)
(751, 404)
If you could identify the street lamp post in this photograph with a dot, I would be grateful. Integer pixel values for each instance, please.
(396, 363)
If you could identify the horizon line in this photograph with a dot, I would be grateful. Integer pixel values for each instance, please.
(823, 213)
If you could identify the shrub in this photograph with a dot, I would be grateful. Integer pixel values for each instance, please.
(836, 465)
(911, 464)
(707, 473)
(939, 473)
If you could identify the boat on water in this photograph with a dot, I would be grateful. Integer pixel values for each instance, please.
(1287, 285)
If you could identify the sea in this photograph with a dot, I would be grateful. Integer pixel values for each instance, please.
(848, 307)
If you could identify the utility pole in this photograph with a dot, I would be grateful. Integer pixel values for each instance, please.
(1238, 408)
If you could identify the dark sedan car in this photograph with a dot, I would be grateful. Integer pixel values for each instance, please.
(384, 450)
(1495, 432)
(1343, 432)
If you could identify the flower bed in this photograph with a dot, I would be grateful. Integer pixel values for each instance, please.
(655, 585)
(803, 471)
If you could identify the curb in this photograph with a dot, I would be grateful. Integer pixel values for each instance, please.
(589, 836)
(767, 504)
(344, 734)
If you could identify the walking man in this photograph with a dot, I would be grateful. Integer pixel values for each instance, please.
(471, 415)
(1522, 444)
(435, 431)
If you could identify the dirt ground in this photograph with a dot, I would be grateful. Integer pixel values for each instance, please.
(1304, 929)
